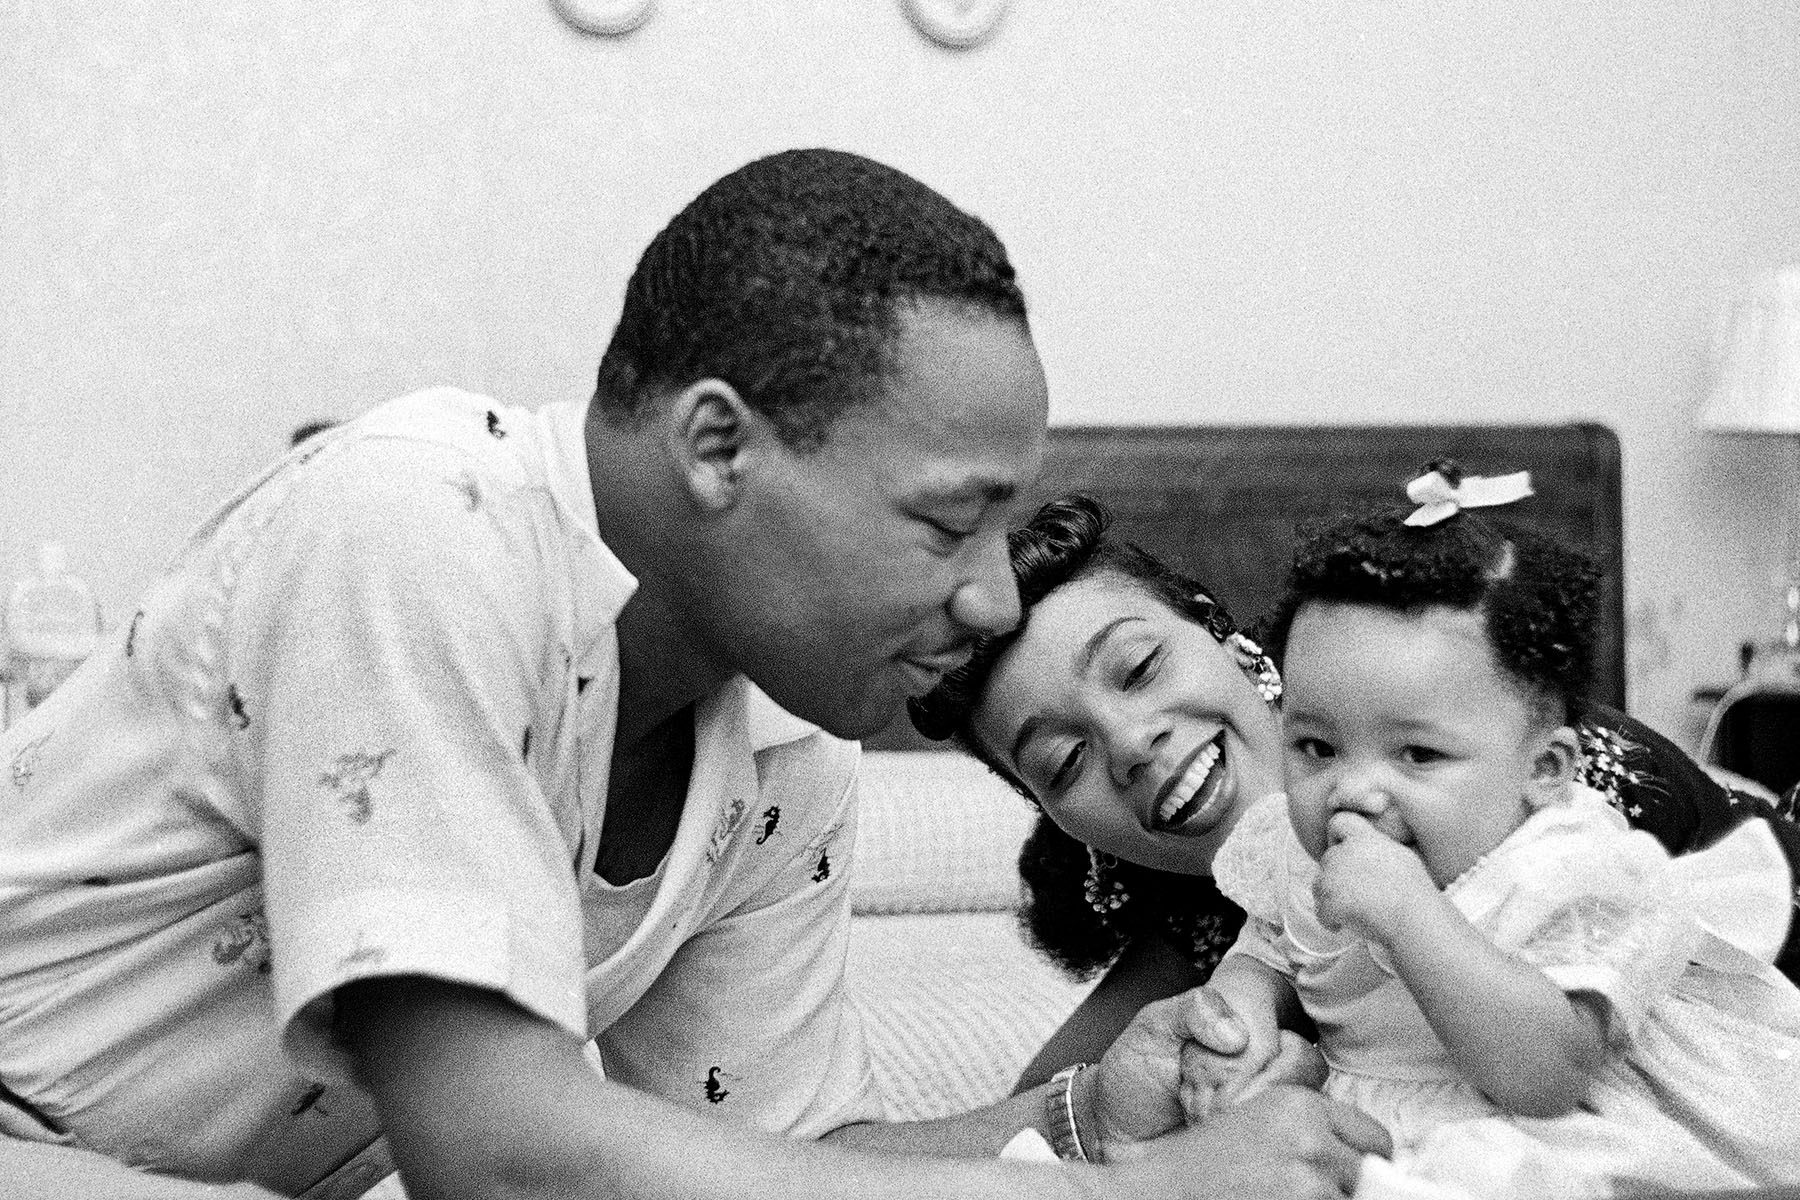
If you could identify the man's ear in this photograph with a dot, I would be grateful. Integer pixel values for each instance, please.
(712, 435)
(1553, 769)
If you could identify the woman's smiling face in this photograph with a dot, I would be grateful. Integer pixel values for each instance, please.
(1135, 730)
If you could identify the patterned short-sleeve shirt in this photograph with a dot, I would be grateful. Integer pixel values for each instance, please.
(362, 726)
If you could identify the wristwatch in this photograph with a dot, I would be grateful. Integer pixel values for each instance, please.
(1059, 1104)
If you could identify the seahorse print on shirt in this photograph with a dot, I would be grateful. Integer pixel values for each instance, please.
(771, 817)
(714, 1087)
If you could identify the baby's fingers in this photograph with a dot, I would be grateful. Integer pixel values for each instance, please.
(1296, 1061)
(1198, 1098)
(1344, 825)
(1209, 1080)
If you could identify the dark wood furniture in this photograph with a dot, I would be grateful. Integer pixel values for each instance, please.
(1224, 501)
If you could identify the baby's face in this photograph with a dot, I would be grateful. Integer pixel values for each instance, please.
(1406, 719)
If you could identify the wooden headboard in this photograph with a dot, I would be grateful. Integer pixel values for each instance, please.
(1223, 502)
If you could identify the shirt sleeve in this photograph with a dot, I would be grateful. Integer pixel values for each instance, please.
(388, 645)
(749, 1021)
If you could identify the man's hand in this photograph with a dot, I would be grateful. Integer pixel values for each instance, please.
(1285, 1144)
(1211, 1078)
(1135, 1092)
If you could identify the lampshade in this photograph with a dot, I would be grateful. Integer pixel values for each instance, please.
(1756, 385)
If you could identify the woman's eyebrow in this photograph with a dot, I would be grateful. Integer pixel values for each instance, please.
(1084, 661)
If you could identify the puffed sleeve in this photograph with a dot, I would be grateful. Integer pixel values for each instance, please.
(1598, 910)
(1261, 941)
(1661, 790)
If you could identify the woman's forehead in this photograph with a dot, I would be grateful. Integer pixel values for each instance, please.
(1055, 650)
(1064, 623)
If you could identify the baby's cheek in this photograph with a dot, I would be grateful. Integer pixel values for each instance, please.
(1308, 818)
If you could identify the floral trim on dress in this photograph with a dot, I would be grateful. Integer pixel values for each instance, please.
(1606, 765)
(1204, 936)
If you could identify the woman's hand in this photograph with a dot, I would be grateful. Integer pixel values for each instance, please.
(1367, 881)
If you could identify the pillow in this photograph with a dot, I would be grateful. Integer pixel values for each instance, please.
(936, 832)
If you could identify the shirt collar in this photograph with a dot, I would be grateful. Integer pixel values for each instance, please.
(602, 582)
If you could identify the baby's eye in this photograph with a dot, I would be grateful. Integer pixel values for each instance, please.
(1312, 747)
(1420, 755)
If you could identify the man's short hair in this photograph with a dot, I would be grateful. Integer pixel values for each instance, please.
(787, 279)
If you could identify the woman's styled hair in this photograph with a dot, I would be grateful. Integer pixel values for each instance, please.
(1066, 541)
(1538, 597)
(786, 279)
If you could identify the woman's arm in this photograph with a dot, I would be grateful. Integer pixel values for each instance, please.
(1149, 969)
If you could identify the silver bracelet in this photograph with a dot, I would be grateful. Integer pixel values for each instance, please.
(1059, 1102)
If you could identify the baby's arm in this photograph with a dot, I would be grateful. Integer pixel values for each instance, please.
(1528, 1045)
(1263, 1000)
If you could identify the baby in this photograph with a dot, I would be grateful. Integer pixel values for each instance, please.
(1535, 1000)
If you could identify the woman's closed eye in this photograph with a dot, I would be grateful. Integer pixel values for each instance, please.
(1142, 669)
(1068, 767)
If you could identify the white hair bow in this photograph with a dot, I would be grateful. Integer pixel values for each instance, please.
(1438, 498)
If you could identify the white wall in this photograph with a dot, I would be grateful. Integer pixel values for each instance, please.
(217, 220)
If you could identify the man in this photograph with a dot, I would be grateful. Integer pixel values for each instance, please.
(447, 745)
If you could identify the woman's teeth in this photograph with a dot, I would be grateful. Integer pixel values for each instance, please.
(1190, 784)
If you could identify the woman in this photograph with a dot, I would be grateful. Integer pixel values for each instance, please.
(1129, 708)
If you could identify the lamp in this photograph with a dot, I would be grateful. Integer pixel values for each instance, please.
(1756, 391)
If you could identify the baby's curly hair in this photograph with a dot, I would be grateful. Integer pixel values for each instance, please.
(1538, 597)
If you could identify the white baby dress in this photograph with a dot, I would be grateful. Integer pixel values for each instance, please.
(1703, 1087)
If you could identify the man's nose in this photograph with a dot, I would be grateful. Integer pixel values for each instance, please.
(988, 600)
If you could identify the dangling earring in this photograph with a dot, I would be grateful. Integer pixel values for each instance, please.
(1104, 891)
(1258, 666)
